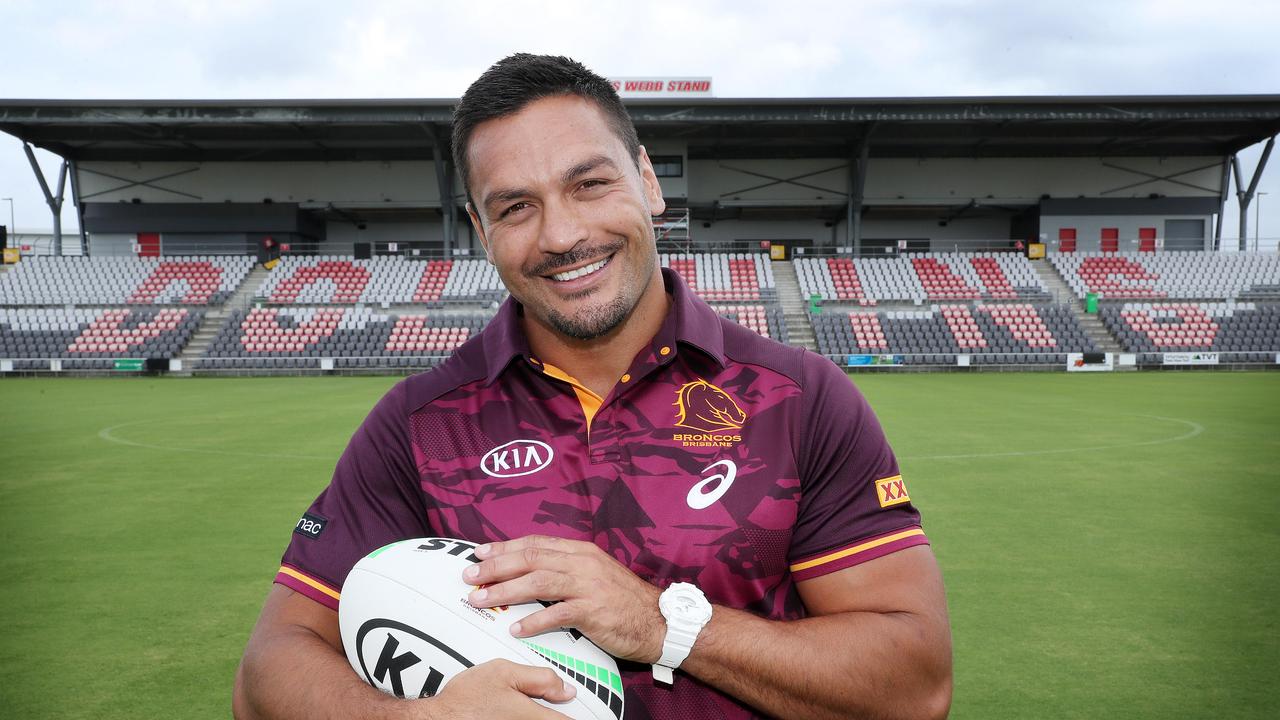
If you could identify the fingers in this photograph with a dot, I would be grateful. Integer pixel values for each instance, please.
(590, 591)
(486, 691)
(547, 542)
(536, 585)
(535, 567)
(559, 615)
(539, 682)
(525, 557)
(514, 564)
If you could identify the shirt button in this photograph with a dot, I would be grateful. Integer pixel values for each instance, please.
(626, 377)
(664, 351)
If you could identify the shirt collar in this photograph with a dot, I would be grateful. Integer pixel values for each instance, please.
(503, 340)
(691, 322)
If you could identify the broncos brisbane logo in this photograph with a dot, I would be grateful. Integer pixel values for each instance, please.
(705, 407)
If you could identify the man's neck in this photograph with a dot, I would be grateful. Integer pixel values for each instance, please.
(600, 362)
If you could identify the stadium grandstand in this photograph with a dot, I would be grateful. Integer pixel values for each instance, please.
(330, 236)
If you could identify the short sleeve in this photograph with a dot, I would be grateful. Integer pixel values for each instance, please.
(372, 500)
(854, 504)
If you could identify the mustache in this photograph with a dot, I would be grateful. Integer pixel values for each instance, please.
(574, 257)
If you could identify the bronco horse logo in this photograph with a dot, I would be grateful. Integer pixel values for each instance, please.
(703, 406)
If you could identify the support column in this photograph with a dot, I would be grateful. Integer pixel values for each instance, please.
(857, 184)
(75, 200)
(54, 201)
(1222, 201)
(444, 183)
(1245, 197)
(852, 236)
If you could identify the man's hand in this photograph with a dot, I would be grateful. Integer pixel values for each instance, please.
(501, 689)
(294, 667)
(598, 596)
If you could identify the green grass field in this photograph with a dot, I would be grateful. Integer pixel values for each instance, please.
(1110, 542)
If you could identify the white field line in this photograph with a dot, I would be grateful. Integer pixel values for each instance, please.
(109, 435)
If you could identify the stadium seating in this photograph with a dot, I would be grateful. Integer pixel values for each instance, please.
(725, 277)
(312, 280)
(196, 280)
(962, 307)
(1174, 275)
(92, 339)
(1243, 332)
(716, 277)
(765, 320)
(995, 334)
(921, 278)
(298, 337)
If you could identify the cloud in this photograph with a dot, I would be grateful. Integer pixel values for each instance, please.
(251, 49)
(241, 48)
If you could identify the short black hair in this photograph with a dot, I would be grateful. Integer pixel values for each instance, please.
(517, 80)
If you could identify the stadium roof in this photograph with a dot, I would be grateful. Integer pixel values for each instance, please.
(719, 128)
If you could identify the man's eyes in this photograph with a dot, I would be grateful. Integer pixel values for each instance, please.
(591, 184)
(513, 208)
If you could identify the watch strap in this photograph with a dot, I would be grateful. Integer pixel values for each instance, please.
(676, 647)
(677, 644)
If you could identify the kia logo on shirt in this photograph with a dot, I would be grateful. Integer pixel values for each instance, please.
(516, 458)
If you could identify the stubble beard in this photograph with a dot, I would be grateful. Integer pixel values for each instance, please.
(593, 322)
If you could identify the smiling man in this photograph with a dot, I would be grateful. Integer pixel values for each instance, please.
(564, 209)
(720, 512)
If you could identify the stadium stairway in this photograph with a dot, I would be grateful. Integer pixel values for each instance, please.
(214, 318)
(794, 308)
(1062, 295)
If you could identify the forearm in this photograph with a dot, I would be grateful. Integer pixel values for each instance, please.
(293, 673)
(877, 643)
(845, 665)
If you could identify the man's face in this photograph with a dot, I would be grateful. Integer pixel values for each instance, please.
(565, 215)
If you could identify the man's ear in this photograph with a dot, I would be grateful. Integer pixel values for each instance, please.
(652, 189)
(479, 227)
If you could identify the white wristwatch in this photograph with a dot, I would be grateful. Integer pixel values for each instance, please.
(687, 612)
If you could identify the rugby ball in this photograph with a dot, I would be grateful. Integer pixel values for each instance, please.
(407, 628)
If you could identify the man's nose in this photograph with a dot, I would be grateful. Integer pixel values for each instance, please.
(563, 227)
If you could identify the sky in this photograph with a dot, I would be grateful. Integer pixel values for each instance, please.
(268, 49)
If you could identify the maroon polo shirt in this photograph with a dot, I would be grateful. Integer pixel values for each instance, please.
(720, 458)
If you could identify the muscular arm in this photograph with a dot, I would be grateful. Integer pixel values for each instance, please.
(877, 645)
(294, 667)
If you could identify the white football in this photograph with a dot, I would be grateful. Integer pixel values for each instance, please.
(407, 628)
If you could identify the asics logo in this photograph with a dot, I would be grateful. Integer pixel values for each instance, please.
(714, 487)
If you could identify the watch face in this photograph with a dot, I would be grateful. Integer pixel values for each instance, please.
(685, 604)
